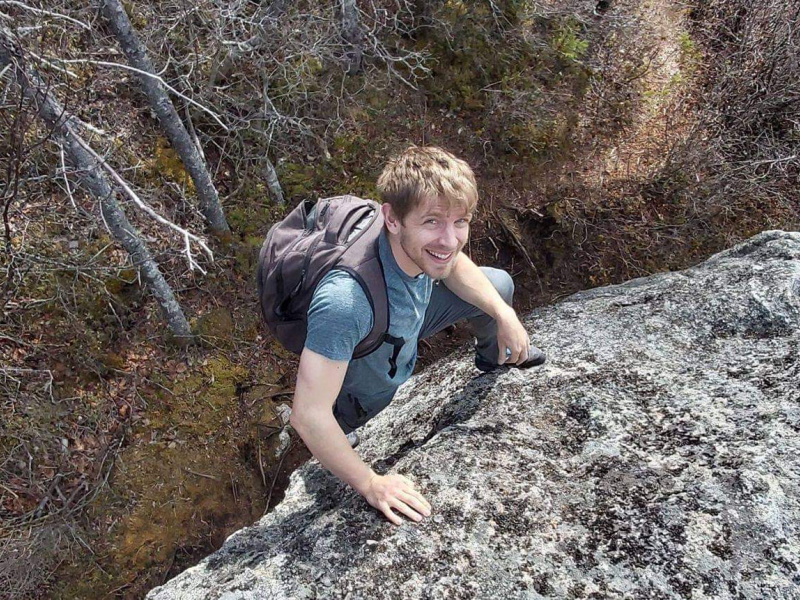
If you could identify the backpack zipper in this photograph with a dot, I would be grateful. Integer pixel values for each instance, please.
(324, 210)
(306, 261)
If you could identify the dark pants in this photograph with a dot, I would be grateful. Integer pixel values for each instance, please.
(445, 309)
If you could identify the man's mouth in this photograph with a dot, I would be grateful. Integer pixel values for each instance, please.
(440, 257)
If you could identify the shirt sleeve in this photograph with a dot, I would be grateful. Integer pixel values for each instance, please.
(339, 317)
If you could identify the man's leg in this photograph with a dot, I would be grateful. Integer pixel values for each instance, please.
(446, 308)
(350, 416)
(348, 412)
(351, 413)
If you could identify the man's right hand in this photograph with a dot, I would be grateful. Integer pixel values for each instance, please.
(319, 380)
(387, 492)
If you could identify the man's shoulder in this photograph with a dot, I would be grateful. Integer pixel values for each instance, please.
(340, 316)
(340, 291)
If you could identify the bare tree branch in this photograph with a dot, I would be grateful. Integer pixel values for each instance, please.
(92, 177)
(168, 117)
(47, 13)
(146, 74)
(187, 236)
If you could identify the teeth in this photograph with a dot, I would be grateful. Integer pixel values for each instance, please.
(440, 256)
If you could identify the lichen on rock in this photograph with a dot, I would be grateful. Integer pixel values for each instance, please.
(655, 455)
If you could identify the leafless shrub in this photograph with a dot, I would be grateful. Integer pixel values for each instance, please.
(752, 96)
(277, 74)
(29, 557)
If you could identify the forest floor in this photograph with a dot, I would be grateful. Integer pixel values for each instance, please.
(178, 448)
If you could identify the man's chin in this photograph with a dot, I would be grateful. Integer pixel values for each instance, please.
(439, 271)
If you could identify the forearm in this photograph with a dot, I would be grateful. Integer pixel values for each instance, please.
(318, 382)
(326, 441)
(469, 283)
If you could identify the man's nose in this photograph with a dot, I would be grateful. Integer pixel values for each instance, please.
(449, 237)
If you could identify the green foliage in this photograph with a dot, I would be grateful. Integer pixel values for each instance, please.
(477, 55)
(242, 218)
(298, 180)
(507, 74)
(690, 55)
(346, 171)
(567, 43)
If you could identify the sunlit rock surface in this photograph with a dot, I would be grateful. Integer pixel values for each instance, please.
(655, 455)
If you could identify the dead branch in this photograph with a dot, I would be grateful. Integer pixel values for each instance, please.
(168, 117)
(46, 13)
(58, 120)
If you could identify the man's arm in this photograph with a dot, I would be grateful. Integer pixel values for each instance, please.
(470, 284)
(319, 381)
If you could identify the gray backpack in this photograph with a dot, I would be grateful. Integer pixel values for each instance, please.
(318, 236)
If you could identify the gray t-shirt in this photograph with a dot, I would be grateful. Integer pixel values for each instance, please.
(340, 317)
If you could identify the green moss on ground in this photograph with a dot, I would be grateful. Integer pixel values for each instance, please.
(167, 164)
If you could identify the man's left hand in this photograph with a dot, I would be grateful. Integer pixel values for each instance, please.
(512, 335)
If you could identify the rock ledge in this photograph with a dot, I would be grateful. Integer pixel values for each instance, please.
(655, 455)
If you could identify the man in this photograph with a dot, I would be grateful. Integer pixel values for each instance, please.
(429, 197)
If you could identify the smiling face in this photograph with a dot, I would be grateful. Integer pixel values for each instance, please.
(429, 238)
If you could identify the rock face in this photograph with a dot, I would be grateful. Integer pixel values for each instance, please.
(655, 455)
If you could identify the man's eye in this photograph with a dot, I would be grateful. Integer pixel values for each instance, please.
(430, 222)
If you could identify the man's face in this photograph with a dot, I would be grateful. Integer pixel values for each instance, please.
(429, 238)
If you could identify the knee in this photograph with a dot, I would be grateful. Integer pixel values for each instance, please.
(501, 281)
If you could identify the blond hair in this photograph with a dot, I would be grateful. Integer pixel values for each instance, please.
(427, 173)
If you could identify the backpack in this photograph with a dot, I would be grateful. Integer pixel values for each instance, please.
(317, 236)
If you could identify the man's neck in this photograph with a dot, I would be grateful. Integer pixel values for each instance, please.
(408, 266)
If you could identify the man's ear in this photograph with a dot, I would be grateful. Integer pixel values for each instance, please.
(391, 220)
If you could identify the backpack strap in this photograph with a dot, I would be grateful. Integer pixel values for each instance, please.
(398, 344)
(363, 262)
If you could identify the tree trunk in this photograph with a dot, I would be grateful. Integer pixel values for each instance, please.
(171, 123)
(351, 33)
(274, 186)
(95, 180)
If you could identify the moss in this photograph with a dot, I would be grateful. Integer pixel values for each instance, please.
(347, 145)
(298, 181)
(246, 254)
(249, 326)
(195, 402)
(180, 484)
(121, 283)
(137, 18)
(690, 56)
(217, 324)
(342, 173)
(167, 164)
